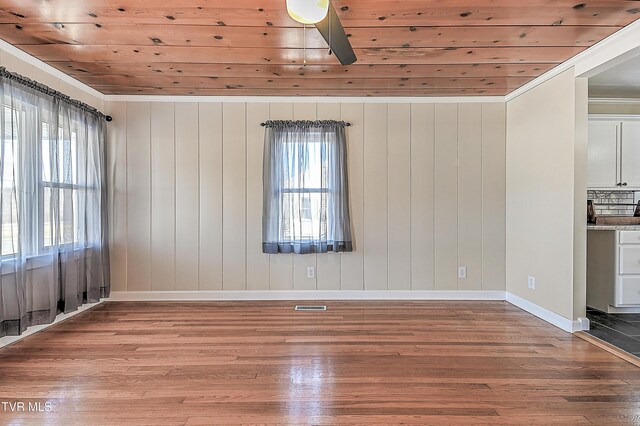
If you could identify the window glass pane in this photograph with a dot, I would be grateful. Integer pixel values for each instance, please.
(48, 218)
(64, 157)
(74, 235)
(67, 234)
(305, 165)
(74, 158)
(305, 208)
(46, 153)
(66, 201)
(302, 213)
(9, 202)
(64, 149)
(9, 223)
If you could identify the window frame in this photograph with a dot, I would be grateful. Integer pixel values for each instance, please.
(326, 190)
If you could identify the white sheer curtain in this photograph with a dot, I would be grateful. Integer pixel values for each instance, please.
(306, 198)
(54, 253)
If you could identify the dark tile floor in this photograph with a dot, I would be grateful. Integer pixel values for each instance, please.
(621, 330)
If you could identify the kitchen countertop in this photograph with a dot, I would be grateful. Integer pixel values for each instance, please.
(591, 227)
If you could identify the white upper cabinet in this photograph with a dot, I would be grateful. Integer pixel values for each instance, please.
(630, 154)
(613, 154)
(602, 165)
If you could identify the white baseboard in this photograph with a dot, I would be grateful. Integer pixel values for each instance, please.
(549, 316)
(304, 295)
(583, 323)
(7, 340)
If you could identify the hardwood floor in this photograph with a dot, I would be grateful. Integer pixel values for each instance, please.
(163, 363)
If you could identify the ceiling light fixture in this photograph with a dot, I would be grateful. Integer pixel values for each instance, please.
(308, 11)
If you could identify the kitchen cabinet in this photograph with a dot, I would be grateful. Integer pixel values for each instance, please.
(613, 153)
(630, 154)
(602, 165)
(613, 270)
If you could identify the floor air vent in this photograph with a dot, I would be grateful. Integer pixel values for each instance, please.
(310, 308)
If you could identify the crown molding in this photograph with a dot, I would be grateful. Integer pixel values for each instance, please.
(307, 99)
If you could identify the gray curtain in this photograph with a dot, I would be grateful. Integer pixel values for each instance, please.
(306, 197)
(54, 251)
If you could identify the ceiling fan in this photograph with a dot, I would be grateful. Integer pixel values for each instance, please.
(322, 14)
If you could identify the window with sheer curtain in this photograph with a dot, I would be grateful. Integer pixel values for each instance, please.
(306, 207)
(53, 212)
(65, 163)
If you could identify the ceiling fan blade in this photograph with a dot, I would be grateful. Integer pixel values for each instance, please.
(331, 30)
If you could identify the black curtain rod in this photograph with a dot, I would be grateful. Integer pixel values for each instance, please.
(32, 84)
(309, 122)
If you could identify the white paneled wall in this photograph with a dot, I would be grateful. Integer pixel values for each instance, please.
(163, 197)
(470, 195)
(446, 196)
(427, 189)
(375, 226)
(209, 168)
(423, 196)
(259, 271)
(138, 189)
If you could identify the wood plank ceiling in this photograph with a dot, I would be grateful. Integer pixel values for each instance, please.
(251, 47)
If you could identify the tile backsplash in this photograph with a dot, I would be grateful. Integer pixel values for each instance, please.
(607, 203)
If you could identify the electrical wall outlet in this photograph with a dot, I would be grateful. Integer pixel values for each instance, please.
(531, 282)
(462, 272)
(311, 272)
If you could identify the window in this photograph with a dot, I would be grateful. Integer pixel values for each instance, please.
(53, 217)
(59, 187)
(305, 188)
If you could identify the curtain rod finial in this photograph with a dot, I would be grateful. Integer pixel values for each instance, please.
(108, 118)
